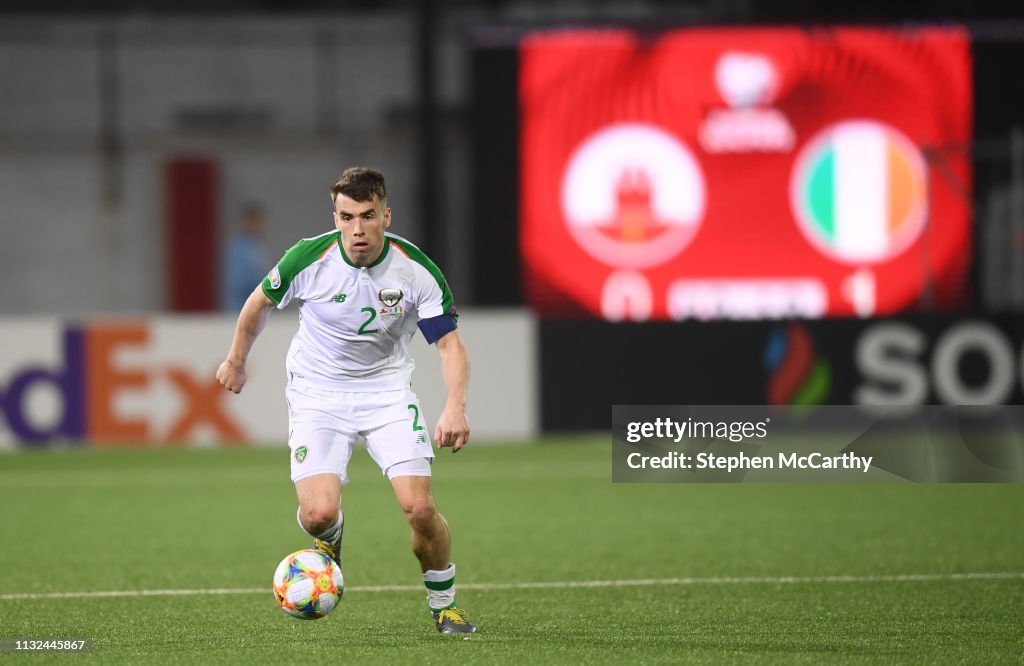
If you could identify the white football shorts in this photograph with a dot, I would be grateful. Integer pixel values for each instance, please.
(325, 425)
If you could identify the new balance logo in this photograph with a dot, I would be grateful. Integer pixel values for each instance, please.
(338, 298)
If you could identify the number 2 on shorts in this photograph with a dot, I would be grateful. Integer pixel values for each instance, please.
(416, 418)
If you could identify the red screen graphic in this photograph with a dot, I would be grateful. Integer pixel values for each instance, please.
(745, 173)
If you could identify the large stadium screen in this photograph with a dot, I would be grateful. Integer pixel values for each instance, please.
(745, 173)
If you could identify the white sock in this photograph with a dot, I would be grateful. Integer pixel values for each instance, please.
(440, 588)
(330, 534)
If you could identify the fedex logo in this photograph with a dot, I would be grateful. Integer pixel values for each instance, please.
(91, 384)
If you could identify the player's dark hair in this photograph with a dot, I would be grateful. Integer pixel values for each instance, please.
(360, 184)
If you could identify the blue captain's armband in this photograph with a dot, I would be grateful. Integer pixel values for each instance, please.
(434, 328)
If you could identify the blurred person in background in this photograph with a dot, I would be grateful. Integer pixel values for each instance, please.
(364, 293)
(245, 258)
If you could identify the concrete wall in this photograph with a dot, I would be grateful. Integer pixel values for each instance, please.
(94, 109)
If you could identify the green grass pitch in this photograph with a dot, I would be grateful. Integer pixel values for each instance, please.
(186, 519)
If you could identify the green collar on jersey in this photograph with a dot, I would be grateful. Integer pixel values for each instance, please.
(383, 253)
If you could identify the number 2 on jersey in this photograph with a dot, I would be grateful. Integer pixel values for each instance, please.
(369, 320)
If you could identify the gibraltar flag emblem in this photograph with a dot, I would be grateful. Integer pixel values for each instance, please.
(633, 195)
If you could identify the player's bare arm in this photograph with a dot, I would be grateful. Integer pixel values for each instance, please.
(251, 321)
(453, 426)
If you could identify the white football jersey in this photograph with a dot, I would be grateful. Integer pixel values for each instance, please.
(355, 324)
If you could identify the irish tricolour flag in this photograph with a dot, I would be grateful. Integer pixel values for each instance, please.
(859, 191)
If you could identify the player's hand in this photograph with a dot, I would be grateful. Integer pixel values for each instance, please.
(232, 376)
(452, 429)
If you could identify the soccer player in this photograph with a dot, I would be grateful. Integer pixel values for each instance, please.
(364, 292)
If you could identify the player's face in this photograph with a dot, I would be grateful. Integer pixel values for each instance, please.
(362, 225)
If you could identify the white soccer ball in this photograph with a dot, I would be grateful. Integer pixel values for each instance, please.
(308, 584)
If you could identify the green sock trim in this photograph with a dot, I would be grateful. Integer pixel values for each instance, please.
(440, 586)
